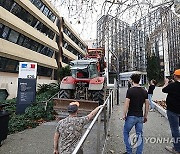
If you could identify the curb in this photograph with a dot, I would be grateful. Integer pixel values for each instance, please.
(161, 110)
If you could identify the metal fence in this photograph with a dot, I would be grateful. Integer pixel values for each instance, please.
(99, 119)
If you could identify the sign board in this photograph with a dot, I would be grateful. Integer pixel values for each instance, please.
(26, 93)
(27, 70)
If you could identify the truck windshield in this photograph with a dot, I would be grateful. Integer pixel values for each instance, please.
(80, 73)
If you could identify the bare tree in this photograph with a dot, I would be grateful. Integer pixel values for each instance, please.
(87, 12)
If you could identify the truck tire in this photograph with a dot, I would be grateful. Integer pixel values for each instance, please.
(98, 96)
(65, 94)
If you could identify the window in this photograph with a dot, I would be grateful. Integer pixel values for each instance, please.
(29, 19)
(13, 36)
(34, 46)
(2, 63)
(11, 65)
(45, 11)
(1, 29)
(57, 39)
(72, 37)
(26, 43)
(51, 16)
(5, 32)
(44, 29)
(16, 10)
(44, 50)
(50, 34)
(33, 23)
(8, 4)
(50, 53)
(1, 2)
(37, 3)
(43, 71)
(39, 26)
(39, 48)
(21, 39)
(21, 13)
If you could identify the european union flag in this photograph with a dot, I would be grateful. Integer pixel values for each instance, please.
(24, 65)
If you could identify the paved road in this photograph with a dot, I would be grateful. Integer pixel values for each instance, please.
(156, 128)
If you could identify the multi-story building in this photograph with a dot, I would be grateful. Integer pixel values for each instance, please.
(114, 35)
(155, 34)
(138, 55)
(33, 31)
(160, 30)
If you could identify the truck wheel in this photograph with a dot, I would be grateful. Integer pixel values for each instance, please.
(65, 94)
(98, 96)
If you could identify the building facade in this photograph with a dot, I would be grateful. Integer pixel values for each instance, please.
(33, 31)
(114, 35)
(160, 30)
(156, 34)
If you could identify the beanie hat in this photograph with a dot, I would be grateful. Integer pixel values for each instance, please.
(177, 72)
(73, 107)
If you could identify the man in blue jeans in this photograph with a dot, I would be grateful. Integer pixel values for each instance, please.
(133, 114)
(173, 110)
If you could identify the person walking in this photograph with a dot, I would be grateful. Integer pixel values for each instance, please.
(69, 130)
(150, 93)
(136, 96)
(173, 110)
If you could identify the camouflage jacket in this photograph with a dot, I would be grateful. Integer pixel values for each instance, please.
(70, 130)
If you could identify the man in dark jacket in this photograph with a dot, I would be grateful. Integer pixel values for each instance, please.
(173, 109)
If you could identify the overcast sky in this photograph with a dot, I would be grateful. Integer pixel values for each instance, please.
(85, 22)
(86, 28)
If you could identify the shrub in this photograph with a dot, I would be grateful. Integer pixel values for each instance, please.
(49, 89)
(35, 113)
(19, 123)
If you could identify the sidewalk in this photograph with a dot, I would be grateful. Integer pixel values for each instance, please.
(156, 127)
(31, 141)
(40, 140)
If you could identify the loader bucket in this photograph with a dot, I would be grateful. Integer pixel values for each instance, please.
(60, 106)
